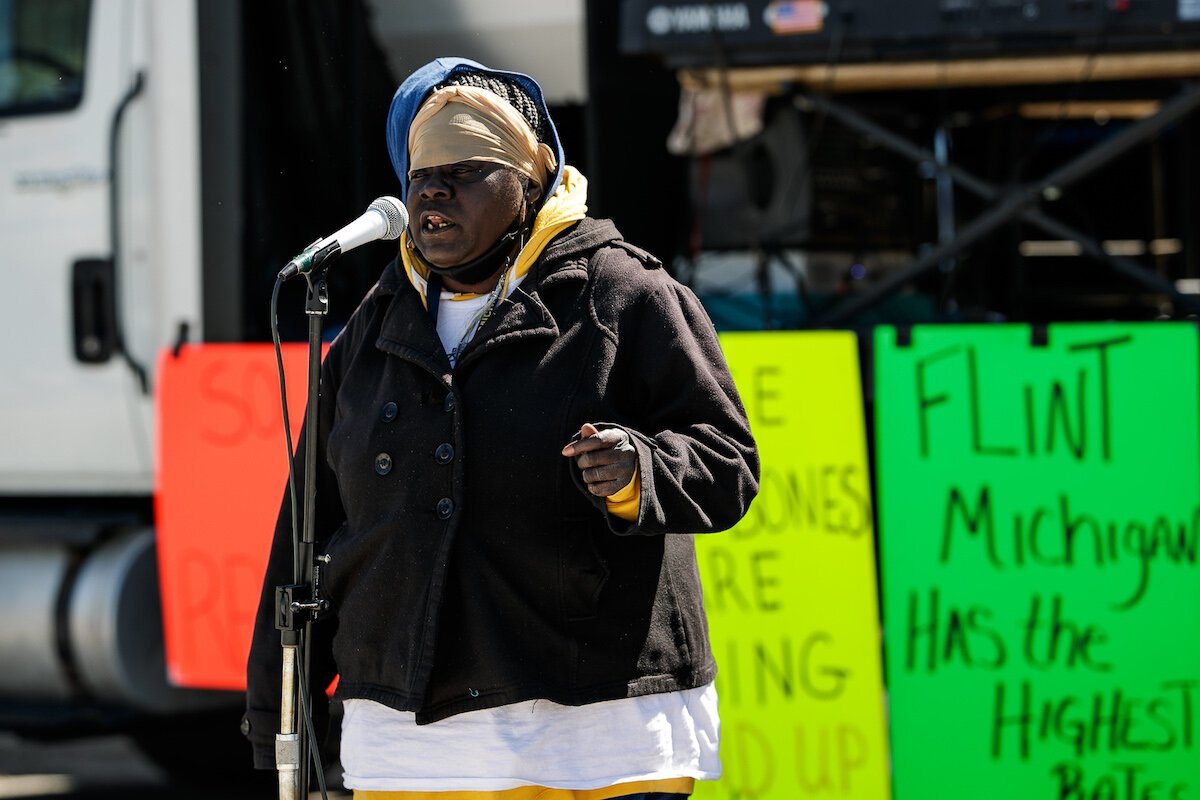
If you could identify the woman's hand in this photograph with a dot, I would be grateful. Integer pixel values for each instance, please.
(606, 459)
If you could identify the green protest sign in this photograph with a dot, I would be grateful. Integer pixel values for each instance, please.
(791, 590)
(1038, 512)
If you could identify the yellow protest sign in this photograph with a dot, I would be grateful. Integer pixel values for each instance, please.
(791, 591)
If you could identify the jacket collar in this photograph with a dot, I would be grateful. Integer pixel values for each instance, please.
(408, 332)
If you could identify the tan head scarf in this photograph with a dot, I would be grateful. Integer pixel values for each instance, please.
(464, 123)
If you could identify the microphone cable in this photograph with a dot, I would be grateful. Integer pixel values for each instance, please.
(305, 710)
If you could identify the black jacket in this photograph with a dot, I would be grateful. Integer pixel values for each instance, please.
(468, 567)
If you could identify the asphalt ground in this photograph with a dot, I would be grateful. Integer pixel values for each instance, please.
(112, 768)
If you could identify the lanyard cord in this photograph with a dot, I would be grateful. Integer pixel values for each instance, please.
(498, 291)
(433, 302)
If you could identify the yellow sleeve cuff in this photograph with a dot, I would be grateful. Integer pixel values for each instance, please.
(627, 501)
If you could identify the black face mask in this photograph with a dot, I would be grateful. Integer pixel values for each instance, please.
(485, 266)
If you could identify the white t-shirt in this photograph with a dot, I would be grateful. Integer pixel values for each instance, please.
(458, 319)
(534, 743)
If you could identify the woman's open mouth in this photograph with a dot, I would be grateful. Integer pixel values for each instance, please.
(435, 223)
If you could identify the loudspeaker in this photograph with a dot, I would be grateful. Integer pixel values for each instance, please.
(758, 193)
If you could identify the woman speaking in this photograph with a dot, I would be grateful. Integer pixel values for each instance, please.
(521, 426)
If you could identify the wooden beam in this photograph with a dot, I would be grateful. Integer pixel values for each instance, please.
(1098, 110)
(884, 75)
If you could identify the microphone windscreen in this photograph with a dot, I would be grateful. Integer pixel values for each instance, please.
(394, 212)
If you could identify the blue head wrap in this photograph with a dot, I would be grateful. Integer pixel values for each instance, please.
(417, 86)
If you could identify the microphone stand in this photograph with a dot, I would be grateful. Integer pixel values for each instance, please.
(298, 604)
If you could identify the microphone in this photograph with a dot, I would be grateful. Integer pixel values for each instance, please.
(385, 218)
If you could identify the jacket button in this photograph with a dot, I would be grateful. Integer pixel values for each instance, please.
(445, 507)
(444, 454)
(389, 412)
(383, 464)
(449, 403)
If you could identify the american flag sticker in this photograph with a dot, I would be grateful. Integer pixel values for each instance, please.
(796, 16)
